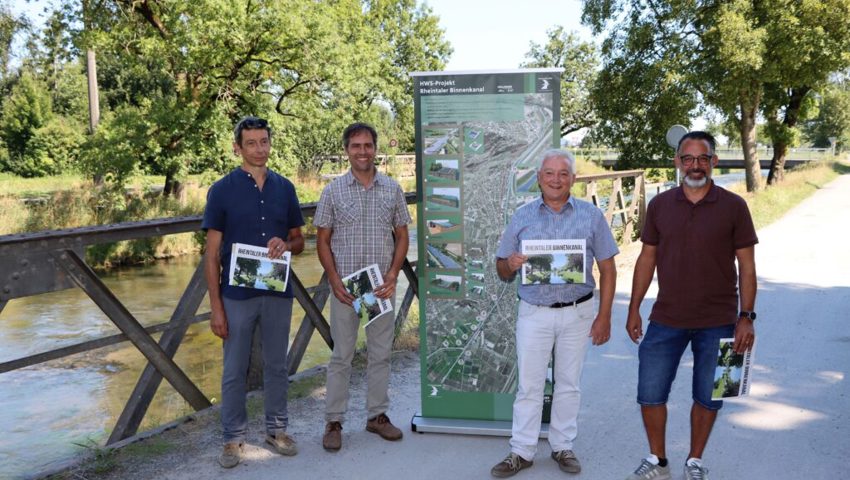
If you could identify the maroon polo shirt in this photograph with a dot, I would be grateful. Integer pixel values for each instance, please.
(695, 256)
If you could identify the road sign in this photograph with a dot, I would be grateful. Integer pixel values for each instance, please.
(393, 142)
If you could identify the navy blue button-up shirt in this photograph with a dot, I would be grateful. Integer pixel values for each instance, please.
(245, 214)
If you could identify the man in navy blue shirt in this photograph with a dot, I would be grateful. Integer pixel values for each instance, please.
(256, 206)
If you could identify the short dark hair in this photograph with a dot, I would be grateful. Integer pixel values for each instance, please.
(698, 135)
(356, 128)
(250, 123)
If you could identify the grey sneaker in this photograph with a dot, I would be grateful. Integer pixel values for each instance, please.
(648, 471)
(509, 467)
(695, 471)
(282, 443)
(567, 461)
(231, 455)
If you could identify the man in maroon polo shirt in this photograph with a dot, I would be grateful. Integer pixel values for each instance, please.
(693, 235)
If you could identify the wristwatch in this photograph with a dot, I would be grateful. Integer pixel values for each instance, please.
(746, 314)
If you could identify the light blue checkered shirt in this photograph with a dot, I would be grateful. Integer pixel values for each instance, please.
(577, 219)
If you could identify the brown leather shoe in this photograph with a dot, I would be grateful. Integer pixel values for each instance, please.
(332, 441)
(231, 455)
(383, 427)
(509, 467)
(567, 461)
(282, 443)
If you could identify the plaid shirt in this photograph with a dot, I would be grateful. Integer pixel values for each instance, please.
(362, 220)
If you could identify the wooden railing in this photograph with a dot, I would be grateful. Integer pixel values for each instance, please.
(624, 215)
(41, 262)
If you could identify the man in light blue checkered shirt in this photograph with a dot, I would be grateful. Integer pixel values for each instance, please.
(361, 219)
(553, 316)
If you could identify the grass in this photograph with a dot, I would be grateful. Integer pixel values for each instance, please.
(771, 203)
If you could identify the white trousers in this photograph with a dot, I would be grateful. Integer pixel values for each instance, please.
(539, 330)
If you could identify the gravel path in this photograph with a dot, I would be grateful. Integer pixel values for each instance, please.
(794, 425)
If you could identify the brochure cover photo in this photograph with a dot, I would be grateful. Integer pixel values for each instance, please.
(553, 262)
(732, 375)
(251, 267)
(362, 284)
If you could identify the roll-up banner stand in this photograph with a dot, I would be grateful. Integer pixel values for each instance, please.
(479, 136)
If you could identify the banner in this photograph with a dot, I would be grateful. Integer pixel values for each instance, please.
(479, 137)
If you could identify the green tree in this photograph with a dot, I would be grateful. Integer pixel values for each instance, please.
(728, 54)
(25, 111)
(833, 117)
(191, 69)
(580, 61)
(810, 41)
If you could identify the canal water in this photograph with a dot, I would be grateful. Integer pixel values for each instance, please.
(51, 412)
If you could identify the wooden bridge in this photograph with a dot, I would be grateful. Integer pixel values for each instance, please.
(41, 262)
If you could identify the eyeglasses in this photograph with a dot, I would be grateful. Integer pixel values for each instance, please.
(690, 159)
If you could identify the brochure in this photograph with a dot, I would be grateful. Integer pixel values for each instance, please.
(251, 267)
(553, 262)
(732, 376)
(362, 284)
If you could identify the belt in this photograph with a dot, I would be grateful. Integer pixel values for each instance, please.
(574, 303)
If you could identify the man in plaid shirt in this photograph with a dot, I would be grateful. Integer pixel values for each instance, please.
(361, 219)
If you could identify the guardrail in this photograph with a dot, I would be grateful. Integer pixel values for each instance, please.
(41, 262)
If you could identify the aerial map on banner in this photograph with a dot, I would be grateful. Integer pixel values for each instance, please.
(479, 136)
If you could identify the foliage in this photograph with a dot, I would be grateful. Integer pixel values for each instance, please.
(737, 56)
(27, 109)
(177, 76)
(833, 117)
(53, 149)
(580, 61)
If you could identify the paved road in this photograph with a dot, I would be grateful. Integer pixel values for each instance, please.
(794, 425)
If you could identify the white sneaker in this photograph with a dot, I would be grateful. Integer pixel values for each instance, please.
(650, 471)
(695, 471)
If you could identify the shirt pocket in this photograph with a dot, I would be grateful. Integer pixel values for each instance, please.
(386, 210)
(347, 211)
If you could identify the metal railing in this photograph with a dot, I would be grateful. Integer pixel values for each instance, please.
(41, 262)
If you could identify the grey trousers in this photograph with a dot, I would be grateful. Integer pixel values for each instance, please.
(274, 315)
(379, 343)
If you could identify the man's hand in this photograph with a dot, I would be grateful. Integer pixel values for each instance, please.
(745, 335)
(634, 326)
(387, 289)
(341, 293)
(515, 261)
(600, 331)
(277, 247)
(218, 323)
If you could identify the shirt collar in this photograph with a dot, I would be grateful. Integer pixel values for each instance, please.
(539, 204)
(710, 197)
(349, 178)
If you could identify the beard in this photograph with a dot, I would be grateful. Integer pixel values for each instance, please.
(695, 183)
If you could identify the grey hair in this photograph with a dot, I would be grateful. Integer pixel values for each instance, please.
(558, 153)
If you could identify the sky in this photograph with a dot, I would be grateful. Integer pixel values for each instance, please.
(496, 34)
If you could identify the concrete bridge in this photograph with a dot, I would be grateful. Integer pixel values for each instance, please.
(729, 157)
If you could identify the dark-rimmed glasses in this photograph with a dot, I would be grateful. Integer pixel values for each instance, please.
(690, 159)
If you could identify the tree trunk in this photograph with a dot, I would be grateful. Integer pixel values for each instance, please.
(173, 187)
(777, 163)
(780, 145)
(752, 167)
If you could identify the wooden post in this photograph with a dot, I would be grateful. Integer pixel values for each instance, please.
(305, 331)
(89, 282)
(139, 402)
